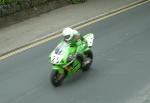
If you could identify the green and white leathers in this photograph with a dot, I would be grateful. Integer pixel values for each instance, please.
(70, 57)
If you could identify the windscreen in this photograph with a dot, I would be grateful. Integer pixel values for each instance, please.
(61, 48)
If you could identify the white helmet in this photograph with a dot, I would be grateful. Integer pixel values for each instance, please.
(68, 34)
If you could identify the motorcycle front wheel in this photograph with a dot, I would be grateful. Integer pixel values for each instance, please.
(56, 78)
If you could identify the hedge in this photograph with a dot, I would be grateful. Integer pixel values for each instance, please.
(75, 1)
(6, 2)
(2, 2)
(8, 7)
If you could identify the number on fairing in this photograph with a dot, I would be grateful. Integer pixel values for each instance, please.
(56, 58)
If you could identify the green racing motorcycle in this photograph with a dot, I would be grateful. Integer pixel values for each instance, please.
(65, 62)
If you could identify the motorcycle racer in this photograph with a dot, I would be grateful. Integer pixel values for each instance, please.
(74, 39)
(72, 54)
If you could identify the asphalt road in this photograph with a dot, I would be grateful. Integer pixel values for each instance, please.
(120, 70)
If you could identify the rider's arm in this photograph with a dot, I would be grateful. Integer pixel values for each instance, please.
(81, 46)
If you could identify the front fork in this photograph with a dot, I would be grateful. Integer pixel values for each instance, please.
(58, 68)
(62, 71)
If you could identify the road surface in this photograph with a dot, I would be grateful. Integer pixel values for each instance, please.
(121, 67)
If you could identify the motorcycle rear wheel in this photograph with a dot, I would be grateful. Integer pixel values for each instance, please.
(89, 55)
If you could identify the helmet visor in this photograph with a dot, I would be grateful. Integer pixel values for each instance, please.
(67, 37)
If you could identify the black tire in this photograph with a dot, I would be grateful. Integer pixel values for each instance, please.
(54, 78)
(89, 55)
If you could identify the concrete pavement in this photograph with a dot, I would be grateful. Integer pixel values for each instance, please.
(21, 33)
